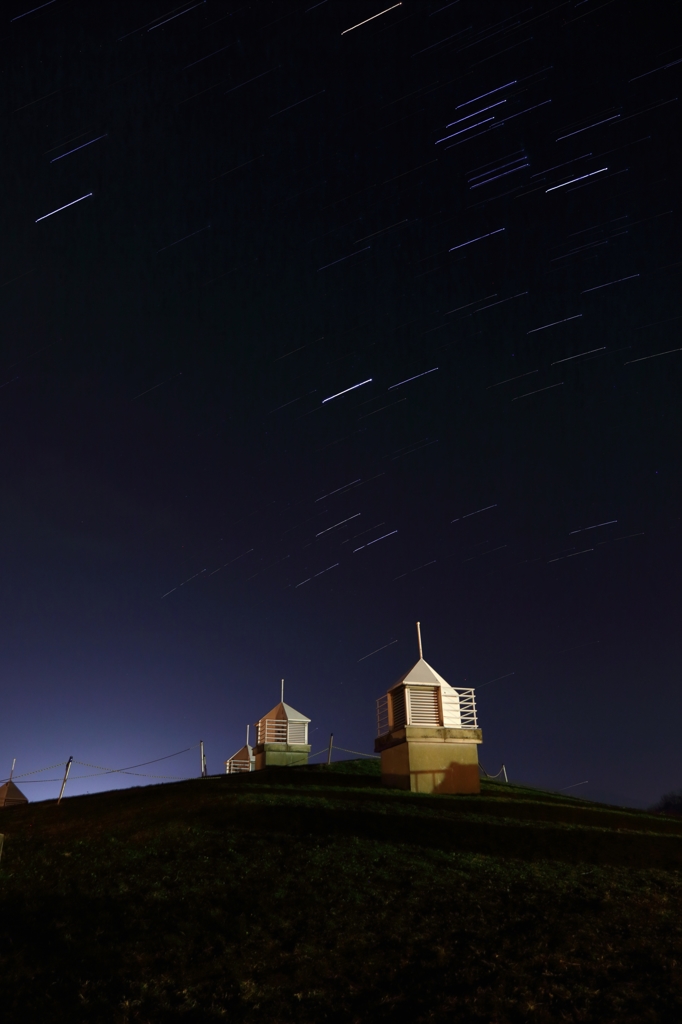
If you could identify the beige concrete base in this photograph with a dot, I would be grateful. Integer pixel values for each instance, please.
(280, 755)
(426, 759)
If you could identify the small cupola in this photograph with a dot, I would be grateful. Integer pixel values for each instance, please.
(243, 760)
(11, 795)
(427, 733)
(281, 737)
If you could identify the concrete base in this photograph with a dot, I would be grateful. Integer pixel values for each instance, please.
(429, 759)
(280, 755)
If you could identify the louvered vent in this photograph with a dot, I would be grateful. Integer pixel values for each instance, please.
(297, 732)
(424, 706)
(398, 702)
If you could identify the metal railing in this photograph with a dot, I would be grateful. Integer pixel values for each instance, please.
(467, 711)
(382, 715)
(279, 730)
(272, 730)
(467, 708)
(235, 765)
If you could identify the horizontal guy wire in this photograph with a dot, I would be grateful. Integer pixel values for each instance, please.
(361, 754)
(103, 770)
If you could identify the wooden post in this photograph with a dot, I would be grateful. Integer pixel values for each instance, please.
(66, 775)
(331, 744)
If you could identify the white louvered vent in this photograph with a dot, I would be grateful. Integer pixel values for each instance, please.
(424, 706)
(398, 702)
(297, 732)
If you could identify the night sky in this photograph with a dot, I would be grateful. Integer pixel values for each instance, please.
(463, 215)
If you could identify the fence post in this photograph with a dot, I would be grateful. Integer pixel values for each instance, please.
(66, 775)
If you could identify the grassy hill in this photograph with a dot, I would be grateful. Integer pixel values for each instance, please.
(314, 895)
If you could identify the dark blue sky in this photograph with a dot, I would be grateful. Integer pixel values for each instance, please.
(270, 218)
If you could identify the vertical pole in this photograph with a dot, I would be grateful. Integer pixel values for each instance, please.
(203, 759)
(505, 773)
(419, 640)
(281, 696)
(247, 736)
(12, 770)
(66, 775)
(331, 744)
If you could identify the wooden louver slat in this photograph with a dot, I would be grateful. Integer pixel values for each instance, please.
(297, 732)
(424, 706)
(399, 713)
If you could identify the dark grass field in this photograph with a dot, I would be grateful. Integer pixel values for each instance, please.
(313, 895)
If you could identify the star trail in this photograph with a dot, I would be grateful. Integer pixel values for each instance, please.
(340, 265)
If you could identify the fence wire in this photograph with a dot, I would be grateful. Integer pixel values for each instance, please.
(104, 771)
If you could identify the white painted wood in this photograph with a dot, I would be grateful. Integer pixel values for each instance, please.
(279, 730)
(423, 705)
(298, 732)
(452, 717)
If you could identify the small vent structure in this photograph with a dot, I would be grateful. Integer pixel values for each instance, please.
(281, 737)
(298, 732)
(427, 733)
(424, 705)
(242, 761)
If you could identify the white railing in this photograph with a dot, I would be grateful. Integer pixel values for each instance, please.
(382, 715)
(272, 730)
(467, 711)
(467, 708)
(279, 730)
(235, 765)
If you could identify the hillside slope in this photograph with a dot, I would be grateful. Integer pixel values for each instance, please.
(314, 895)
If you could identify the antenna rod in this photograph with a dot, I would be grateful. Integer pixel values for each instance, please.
(331, 744)
(66, 775)
(282, 693)
(247, 735)
(12, 771)
(419, 640)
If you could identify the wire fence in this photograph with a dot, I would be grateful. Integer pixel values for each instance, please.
(360, 753)
(103, 770)
(502, 771)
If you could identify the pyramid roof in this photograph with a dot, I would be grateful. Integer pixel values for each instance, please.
(11, 795)
(245, 753)
(285, 712)
(422, 672)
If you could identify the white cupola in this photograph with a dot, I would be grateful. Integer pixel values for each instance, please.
(427, 733)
